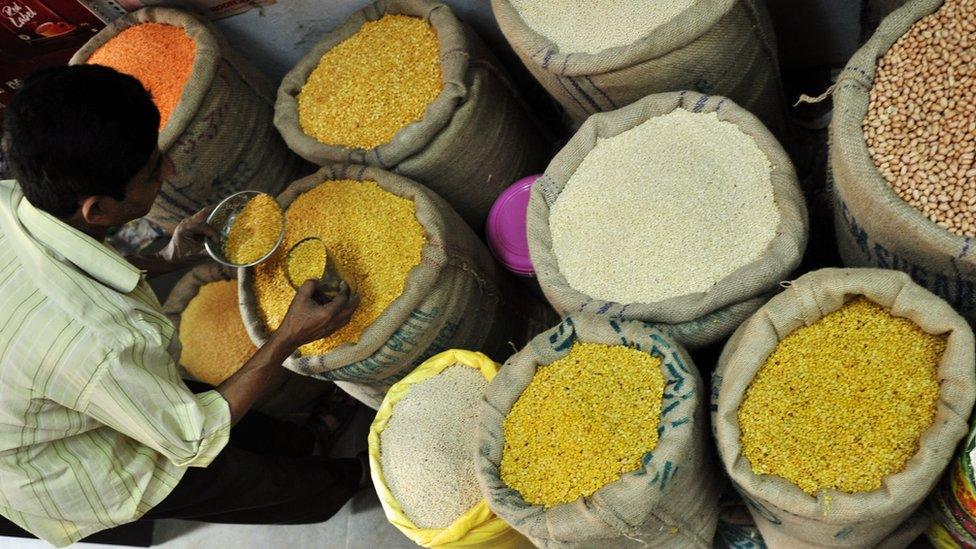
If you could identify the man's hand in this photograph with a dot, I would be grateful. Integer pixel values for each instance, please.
(308, 320)
(188, 238)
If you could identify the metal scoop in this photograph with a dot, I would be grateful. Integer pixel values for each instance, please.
(222, 218)
(328, 281)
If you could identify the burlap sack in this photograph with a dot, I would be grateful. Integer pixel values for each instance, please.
(291, 394)
(219, 138)
(721, 47)
(787, 516)
(653, 507)
(874, 226)
(475, 138)
(879, 9)
(453, 299)
(695, 319)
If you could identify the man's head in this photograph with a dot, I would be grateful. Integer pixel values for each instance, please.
(81, 142)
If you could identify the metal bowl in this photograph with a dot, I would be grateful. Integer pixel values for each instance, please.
(222, 218)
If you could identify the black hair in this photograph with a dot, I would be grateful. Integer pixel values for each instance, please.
(77, 131)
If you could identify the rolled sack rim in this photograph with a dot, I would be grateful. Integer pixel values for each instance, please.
(206, 60)
(680, 375)
(680, 31)
(781, 257)
(407, 141)
(433, 257)
(849, 149)
(745, 355)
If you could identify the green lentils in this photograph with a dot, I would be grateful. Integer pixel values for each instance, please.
(842, 403)
(582, 422)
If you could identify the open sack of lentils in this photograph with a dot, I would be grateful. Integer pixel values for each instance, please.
(595, 435)
(681, 210)
(426, 282)
(903, 150)
(403, 85)
(208, 97)
(839, 404)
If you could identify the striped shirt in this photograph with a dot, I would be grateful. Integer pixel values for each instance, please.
(96, 426)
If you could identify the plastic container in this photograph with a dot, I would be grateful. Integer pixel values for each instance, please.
(506, 234)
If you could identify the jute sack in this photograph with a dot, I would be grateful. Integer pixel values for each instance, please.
(874, 226)
(879, 9)
(720, 47)
(288, 396)
(656, 506)
(478, 527)
(694, 320)
(220, 138)
(787, 516)
(475, 138)
(452, 299)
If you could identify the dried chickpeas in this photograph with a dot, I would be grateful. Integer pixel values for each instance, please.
(842, 403)
(583, 421)
(255, 231)
(921, 124)
(368, 87)
(373, 236)
(215, 343)
(158, 55)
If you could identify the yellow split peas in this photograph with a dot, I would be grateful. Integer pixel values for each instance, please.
(842, 403)
(372, 234)
(582, 422)
(215, 343)
(368, 87)
(306, 261)
(255, 230)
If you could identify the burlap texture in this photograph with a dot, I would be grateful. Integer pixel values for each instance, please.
(291, 394)
(695, 319)
(653, 507)
(787, 516)
(875, 227)
(879, 9)
(475, 138)
(720, 47)
(453, 299)
(220, 138)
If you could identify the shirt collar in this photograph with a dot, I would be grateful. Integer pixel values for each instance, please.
(91, 256)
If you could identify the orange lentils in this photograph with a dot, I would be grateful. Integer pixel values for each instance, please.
(215, 342)
(158, 55)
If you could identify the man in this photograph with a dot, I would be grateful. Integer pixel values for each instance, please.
(96, 427)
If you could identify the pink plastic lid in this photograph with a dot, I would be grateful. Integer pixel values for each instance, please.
(506, 227)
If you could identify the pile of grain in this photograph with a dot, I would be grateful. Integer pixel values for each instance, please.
(592, 26)
(255, 231)
(427, 447)
(583, 421)
(921, 124)
(215, 343)
(374, 83)
(840, 404)
(665, 209)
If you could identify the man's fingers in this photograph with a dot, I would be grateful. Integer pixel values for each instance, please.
(207, 231)
(306, 290)
(202, 215)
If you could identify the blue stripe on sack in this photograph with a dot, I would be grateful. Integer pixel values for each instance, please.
(569, 92)
(700, 104)
(603, 93)
(665, 475)
(604, 308)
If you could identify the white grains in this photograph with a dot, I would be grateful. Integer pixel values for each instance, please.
(427, 448)
(594, 25)
(665, 209)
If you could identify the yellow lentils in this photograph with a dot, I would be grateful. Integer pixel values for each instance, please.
(842, 403)
(215, 343)
(255, 231)
(368, 87)
(372, 234)
(583, 421)
(306, 261)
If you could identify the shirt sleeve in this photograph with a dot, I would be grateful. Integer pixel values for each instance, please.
(138, 392)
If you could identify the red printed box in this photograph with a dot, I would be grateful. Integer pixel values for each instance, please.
(32, 27)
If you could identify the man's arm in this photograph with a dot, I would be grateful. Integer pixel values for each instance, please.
(184, 249)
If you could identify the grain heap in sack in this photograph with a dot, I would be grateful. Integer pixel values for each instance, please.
(216, 130)
(903, 150)
(839, 404)
(594, 434)
(204, 308)
(599, 55)
(427, 283)
(422, 447)
(404, 86)
(680, 209)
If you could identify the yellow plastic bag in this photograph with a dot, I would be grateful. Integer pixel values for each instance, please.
(478, 527)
